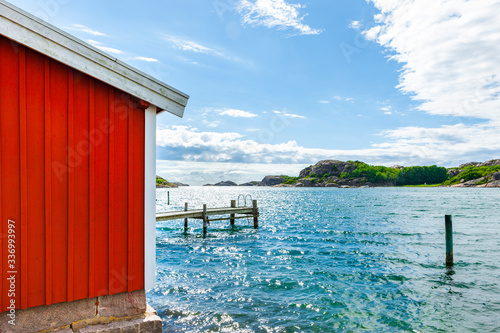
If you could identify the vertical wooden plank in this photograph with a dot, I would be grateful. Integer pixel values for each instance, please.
(59, 164)
(79, 169)
(10, 123)
(94, 141)
(71, 188)
(119, 228)
(23, 178)
(36, 181)
(48, 182)
(130, 199)
(2, 229)
(101, 193)
(111, 221)
(137, 281)
(120, 232)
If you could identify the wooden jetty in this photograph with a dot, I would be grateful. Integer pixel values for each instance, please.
(205, 213)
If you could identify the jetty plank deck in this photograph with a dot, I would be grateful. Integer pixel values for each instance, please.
(198, 213)
(204, 214)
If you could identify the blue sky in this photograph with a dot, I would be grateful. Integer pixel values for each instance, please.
(277, 85)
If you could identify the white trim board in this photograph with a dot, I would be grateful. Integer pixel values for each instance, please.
(41, 36)
(150, 198)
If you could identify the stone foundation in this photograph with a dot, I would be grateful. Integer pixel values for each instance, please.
(119, 313)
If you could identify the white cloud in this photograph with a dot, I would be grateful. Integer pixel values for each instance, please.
(343, 99)
(355, 25)
(452, 144)
(275, 14)
(237, 113)
(101, 47)
(449, 50)
(109, 49)
(82, 28)
(93, 42)
(185, 135)
(324, 102)
(212, 124)
(290, 115)
(187, 45)
(387, 109)
(146, 59)
(210, 146)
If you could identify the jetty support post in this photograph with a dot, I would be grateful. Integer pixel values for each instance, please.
(255, 213)
(204, 216)
(185, 220)
(231, 220)
(449, 240)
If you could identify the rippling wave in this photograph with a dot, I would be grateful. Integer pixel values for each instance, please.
(331, 260)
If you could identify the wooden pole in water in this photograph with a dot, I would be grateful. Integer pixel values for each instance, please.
(255, 214)
(204, 216)
(185, 220)
(449, 240)
(168, 197)
(231, 220)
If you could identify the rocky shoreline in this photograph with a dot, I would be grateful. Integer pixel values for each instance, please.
(355, 174)
(334, 173)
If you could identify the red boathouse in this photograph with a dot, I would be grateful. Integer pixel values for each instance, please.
(77, 167)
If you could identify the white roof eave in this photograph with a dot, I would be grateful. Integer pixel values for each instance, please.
(41, 36)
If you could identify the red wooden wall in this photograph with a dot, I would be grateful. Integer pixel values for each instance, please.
(72, 180)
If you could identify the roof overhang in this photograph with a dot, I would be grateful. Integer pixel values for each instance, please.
(41, 36)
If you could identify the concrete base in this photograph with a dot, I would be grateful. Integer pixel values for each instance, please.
(119, 313)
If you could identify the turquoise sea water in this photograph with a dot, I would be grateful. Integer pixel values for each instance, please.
(331, 260)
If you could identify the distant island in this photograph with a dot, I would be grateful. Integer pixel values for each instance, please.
(333, 173)
(163, 183)
(223, 183)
